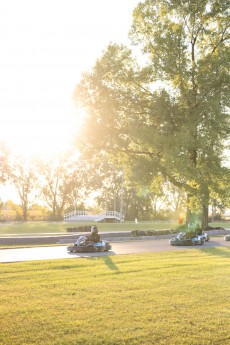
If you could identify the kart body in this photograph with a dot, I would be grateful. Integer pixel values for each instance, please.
(182, 239)
(227, 238)
(82, 245)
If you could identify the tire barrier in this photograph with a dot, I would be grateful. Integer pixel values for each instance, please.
(137, 233)
(210, 228)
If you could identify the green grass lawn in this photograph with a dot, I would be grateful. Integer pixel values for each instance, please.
(59, 227)
(168, 298)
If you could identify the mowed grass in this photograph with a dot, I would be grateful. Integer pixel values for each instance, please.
(60, 227)
(35, 228)
(168, 298)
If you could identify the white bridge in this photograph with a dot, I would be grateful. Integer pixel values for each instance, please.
(84, 216)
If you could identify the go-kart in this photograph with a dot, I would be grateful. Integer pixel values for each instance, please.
(83, 245)
(227, 238)
(185, 239)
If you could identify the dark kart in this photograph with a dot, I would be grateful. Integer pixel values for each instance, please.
(227, 238)
(184, 239)
(82, 245)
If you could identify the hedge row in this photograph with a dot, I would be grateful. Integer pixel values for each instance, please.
(84, 228)
(136, 233)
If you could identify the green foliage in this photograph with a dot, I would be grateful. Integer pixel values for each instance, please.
(176, 128)
(191, 233)
(182, 228)
(191, 230)
(65, 183)
(23, 177)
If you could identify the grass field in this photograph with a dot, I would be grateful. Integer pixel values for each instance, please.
(159, 298)
(59, 227)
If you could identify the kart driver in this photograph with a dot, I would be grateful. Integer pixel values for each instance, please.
(94, 236)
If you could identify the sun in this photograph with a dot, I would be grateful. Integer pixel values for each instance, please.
(37, 114)
(45, 47)
(46, 131)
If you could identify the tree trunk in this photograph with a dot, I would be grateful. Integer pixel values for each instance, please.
(24, 212)
(188, 213)
(204, 216)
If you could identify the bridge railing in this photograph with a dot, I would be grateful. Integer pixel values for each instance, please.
(75, 213)
(114, 214)
(102, 215)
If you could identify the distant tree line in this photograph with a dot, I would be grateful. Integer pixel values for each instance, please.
(157, 125)
(47, 190)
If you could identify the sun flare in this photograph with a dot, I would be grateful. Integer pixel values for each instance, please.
(44, 134)
(45, 46)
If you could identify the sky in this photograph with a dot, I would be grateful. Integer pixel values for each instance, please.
(45, 46)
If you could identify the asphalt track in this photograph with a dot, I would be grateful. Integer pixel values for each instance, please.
(118, 248)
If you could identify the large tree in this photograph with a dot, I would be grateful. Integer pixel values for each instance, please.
(24, 179)
(65, 183)
(57, 183)
(4, 163)
(167, 110)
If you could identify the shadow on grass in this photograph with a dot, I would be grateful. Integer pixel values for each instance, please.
(105, 256)
(109, 262)
(217, 251)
